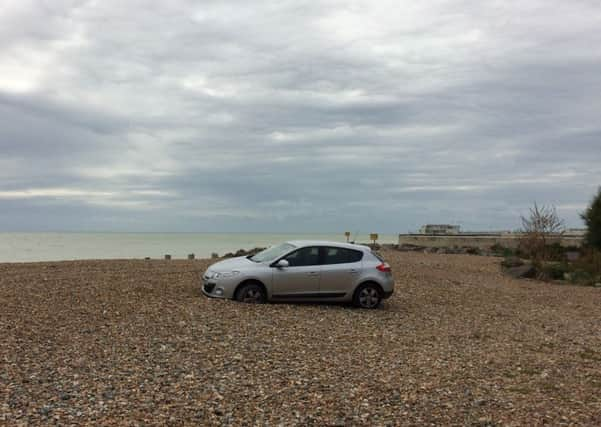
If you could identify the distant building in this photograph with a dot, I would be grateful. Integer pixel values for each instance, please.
(575, 231)
(439, 229)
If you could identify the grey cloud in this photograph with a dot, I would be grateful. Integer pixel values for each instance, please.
(219, 115)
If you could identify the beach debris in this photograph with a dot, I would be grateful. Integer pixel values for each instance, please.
(512, 262)
(190, 256)
(522, 271)
(243, 252)
(167, 256)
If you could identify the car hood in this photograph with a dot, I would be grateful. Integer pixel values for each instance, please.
(230, 264)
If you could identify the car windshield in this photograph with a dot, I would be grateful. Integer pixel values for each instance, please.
(272, 253)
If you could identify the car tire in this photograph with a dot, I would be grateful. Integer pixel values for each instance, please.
(368, 295)
(251, 293)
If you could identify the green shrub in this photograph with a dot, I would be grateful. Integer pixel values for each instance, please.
(497, 249)
(589, 261)
(555, 252)
(473, 251)
(555, 271)
(582, 277)
(509, 252)
(500, 250)
(592, 219)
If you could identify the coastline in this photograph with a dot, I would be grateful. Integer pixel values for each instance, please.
(30, 247)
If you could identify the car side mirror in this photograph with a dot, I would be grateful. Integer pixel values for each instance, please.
(282, 263)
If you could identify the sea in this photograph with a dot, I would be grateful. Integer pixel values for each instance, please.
(59, 246)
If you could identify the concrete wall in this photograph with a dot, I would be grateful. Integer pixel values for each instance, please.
(482, 241)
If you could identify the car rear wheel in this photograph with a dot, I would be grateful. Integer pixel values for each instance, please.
(251, 293)
(368, 295)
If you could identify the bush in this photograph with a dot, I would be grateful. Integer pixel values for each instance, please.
(586, 271)
(497, 249)
(582, 277)
(473, 251)
(537, 228)
(500, 250)
(511, 262)
(592, 219)
(555, 271)
(590, 261)
(555, 252)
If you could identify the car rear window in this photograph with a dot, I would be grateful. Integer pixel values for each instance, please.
(341, 255)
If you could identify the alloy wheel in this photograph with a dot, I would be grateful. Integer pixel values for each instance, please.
(369, 297)
(252, 296)
(251, 293)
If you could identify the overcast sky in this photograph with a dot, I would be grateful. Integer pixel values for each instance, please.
(296, 116)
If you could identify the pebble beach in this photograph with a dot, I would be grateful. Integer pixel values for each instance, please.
(134, 342)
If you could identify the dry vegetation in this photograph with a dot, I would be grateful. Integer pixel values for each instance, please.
(134, 342)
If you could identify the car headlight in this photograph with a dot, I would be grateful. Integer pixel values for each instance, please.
(225, 275)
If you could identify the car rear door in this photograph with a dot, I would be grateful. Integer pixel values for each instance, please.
(301, 278)
(340, 270)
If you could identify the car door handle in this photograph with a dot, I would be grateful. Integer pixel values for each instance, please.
(313, 273)
(353, 271)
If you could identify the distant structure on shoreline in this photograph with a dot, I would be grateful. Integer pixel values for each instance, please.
(439, 229)
(447, 235)
(575, 231)
(451, 230)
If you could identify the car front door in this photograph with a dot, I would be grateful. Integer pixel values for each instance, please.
(340, 271)
(301, 277)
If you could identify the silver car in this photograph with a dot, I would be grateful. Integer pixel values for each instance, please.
(303, 271)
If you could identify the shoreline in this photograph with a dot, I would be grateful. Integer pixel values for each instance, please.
(31, 247)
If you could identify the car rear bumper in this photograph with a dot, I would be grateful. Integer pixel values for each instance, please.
(386, 295)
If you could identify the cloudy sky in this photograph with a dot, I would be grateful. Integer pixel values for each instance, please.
(296, 116)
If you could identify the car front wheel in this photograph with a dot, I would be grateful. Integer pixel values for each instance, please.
(251, 293)
(368, 295)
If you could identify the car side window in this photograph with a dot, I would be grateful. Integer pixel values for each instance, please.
(341, 256)
(304, 257)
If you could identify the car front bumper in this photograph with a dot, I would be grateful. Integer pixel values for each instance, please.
(222, 287)
(208, 289)
(211, 289)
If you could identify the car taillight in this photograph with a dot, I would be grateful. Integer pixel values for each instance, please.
(384, 268)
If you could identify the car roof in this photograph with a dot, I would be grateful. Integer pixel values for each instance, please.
(303, 243)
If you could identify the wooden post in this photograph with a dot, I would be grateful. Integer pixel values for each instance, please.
(348, 235)
(167, 256)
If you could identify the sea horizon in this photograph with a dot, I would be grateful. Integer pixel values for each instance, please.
(38, 246)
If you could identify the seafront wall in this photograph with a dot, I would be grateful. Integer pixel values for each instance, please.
(484, 241)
